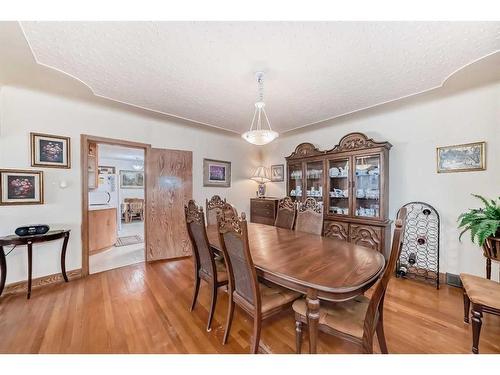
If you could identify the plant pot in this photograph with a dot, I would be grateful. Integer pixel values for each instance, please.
(491, 247)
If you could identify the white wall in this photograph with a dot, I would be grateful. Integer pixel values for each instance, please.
(415, 129)
(23, 111)
(122, 165)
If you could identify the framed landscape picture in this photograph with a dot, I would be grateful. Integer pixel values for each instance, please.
(21, 187)
(216, 173)
(277, 173)
(50, 151)
(461, 158)
(132, 179)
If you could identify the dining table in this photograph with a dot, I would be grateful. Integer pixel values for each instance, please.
(321, 268)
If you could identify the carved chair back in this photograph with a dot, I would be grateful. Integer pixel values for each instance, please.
(310, 217)
(380, 287)
(195, 222)
(215, 206)
(233, 234)
(287, 209)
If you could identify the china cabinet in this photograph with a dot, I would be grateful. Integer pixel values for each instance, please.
(352, 182)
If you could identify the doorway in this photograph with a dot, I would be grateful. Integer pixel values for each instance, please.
(168, 185)
(114, 203)
(116, 208)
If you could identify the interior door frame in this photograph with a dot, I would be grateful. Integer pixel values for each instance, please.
(85, 139)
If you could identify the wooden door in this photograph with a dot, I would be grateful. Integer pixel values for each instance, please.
(169, 187)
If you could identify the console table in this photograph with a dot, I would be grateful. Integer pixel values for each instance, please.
(14, 240)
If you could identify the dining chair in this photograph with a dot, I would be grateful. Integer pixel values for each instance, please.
(484, 294)
(258, 300)
(309, 217)
(358, 319)
(135, 208)
(285, 217)
(205, 266)
(216, 205)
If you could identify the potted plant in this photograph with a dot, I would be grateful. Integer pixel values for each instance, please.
(484, 226)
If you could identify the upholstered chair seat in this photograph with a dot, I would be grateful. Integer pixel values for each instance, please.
(274, 296)
(347, 317)
(481, 291)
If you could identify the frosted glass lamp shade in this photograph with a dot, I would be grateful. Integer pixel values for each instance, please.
(261, 175)
(260, 137)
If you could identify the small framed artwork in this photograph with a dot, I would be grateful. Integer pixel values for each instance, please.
(461, 158)
(104, 169)
(216, 173)
(132, 179)
(277, 173)
(50, 151)
(21, 187)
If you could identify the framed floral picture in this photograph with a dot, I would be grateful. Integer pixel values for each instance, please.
(277, 173)
(216, 173)
(50, 151)
(131, 179)
(21, 187)
(461, 158)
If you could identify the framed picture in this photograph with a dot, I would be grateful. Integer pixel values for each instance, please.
(104, 169)
(216, 173)
(50, 151)
(21, 187)
(461, 158)
(277, 173)
(132, 179)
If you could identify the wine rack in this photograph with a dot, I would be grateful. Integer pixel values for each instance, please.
(419, 258)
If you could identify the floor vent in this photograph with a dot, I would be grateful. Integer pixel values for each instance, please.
(453, 280)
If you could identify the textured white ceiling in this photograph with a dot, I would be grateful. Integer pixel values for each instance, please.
(204, 71)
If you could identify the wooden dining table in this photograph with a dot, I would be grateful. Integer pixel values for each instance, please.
(321, 268)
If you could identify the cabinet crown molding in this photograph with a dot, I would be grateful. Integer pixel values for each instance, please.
(358, 141)
(350, 142)
(305, 150)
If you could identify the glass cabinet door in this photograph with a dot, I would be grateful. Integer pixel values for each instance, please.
(295, 181)
(339, 192)
(314, 180)
(367, 186)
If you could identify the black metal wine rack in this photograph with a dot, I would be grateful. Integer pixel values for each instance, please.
(419, 257)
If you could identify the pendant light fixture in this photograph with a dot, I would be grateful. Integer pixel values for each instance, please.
(138, 166)
(257, 134)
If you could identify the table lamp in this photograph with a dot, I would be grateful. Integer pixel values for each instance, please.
(261, 175)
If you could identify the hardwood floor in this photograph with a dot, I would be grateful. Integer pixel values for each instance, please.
(145, 309)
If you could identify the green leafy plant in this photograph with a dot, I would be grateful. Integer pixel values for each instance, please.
(481, 222)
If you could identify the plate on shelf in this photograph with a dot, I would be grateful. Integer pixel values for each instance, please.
(334, 172)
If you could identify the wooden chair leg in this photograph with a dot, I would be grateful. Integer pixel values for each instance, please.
(466, 307)
(257, 324)
(196, 290)
(477, 314)
(230, 313)
(381, 337)
(212, 305)
(298, 336)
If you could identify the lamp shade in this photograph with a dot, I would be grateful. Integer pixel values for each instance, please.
(261, 175)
